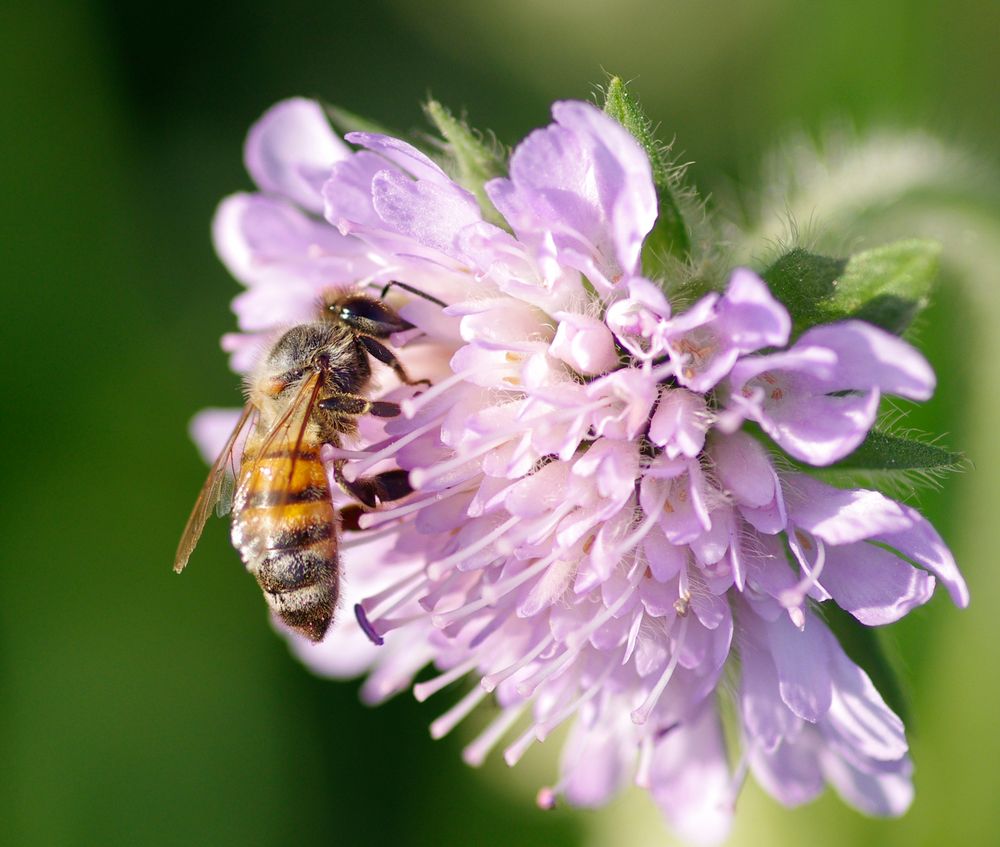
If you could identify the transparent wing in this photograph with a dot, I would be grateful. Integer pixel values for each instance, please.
(217, 490)
(287, 433)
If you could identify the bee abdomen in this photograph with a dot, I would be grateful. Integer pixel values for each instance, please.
(301, 585)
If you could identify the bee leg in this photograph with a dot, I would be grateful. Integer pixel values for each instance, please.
(387, 357)
(391, 485)
(349, 404)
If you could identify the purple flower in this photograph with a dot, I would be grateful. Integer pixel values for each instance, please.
(593, 537)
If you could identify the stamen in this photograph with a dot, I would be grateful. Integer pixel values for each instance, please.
(633, 636)
(373, 601)
(419, 477)
(423, 690)
(392, 606)
(385, 449)
(386, 625)
(795, 596)
(411, 405)
(492, 680)
(661, 372)
(477, 751)
(546, 798)
(457, 713)
(366, 627)
(373, 519)
(366, 538)
(544, 529)
(512, 755)
(738, 780)
(641, 714)
(443, 588)
(442, 566)
(644, 767)
(644, 528)
(489, 594)
(578, 640)
(495, 621)
(543, 729)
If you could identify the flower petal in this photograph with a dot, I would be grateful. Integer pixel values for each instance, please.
(689, 779)
(802, 661)
(921, 543)
(858, 715)
(840, 515)
(291, 149)
(869, 357)
(873, 584)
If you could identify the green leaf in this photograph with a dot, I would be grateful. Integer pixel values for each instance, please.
(884, 451)
(670, 235)
(889, 285)
(474, 161)
(886, 286)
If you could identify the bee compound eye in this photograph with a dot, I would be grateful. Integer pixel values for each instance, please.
(371, 316)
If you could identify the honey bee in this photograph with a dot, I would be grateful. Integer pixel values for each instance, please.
(308, 391)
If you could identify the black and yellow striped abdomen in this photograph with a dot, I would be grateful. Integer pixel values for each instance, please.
(285, 529)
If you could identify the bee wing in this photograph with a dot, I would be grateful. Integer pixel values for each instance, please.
(289, 430)
(216, 490)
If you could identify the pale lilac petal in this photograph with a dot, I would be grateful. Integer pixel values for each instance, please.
(786, 393)
(790, 773)
(401, 154)
(689, 779)
(766, 718)
(291, 149)
(584, 343)
(246, 349)
(595, 764)
(210, 430)
(347, 194)
(869, 357)
(584, 186)
(749, 316)
(873, 584)
(921, 543)
(679, 423)
(745, 470)
(840, 515)
(623, 174)
(887, 794)
(430, 213)
(794, 395)
(286, 258)
(802, 661)
(858, 715)
(640, 319)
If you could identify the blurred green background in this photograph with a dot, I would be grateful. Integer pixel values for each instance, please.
(139, 708)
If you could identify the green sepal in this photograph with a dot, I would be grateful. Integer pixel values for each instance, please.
(883, 451)
(670, 235)
(345, 121)
(866, 648)
(886, 286)
(803, 282)
(473, 160)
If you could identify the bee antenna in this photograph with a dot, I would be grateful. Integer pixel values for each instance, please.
(395, 283)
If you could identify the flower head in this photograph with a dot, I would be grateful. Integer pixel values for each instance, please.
(594, 534)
